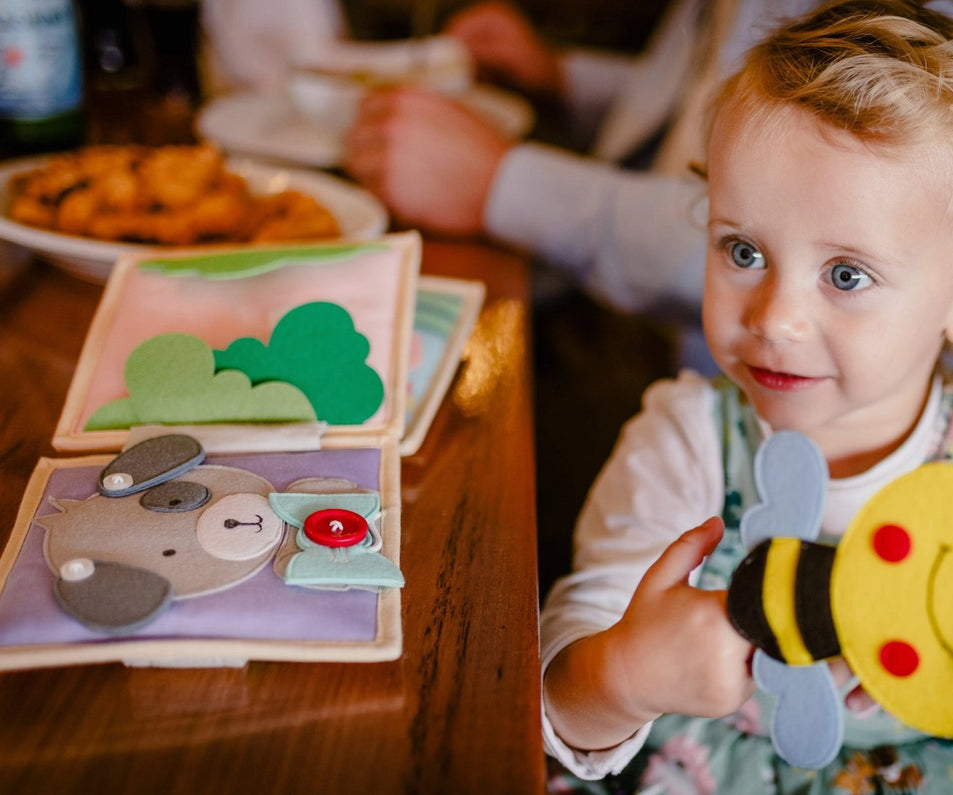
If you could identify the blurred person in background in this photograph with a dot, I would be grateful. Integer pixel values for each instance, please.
(255, 44)
(611, 216)
(620, 219)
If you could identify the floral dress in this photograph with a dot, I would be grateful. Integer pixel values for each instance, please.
(734, 755)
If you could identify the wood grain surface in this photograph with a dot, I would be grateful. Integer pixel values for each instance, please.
(457, 713)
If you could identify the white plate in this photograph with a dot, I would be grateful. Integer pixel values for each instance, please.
(359, 215)
(441, 62)
(267, 124)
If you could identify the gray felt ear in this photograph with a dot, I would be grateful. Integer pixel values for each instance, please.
(112, 598)
(148, 463)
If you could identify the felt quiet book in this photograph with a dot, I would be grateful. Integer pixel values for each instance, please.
(232, 489)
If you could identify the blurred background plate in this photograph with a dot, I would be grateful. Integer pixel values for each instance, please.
(359, 215)
(273, 125)
(441, 63)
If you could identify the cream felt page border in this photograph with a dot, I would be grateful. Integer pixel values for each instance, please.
(211, 652)
(137, 306)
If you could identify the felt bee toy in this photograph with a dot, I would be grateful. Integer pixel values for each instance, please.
(882, 599)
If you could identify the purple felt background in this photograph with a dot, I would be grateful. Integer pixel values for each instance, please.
(262, 607)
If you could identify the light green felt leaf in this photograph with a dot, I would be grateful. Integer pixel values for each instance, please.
(315, 347)
(251, 262)
(171, 379)
(112, 416)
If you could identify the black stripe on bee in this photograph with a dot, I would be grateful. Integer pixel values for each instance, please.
(745, 608)
(812, 601)
(811, 616)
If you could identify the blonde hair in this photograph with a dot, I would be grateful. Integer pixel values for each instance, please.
(881, 70)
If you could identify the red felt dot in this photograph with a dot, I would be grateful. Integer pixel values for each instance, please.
(892, 543)
(899, 658)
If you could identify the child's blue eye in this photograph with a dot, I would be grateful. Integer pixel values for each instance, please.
(847, 277)
(744, 255)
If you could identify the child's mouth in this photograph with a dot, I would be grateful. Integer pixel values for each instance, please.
(782, 382)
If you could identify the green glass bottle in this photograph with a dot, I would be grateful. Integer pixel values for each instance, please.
(41, 76)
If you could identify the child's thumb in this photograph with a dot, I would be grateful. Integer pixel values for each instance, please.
(686, 553)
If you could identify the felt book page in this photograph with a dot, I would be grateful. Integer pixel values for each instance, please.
(445, 313)
(181, 587)
(251, 349)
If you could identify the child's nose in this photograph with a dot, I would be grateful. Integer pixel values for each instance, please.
(778, 313)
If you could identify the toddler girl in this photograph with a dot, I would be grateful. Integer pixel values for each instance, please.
(828, 302)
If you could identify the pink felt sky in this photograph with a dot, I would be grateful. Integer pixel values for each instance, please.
(368, 286)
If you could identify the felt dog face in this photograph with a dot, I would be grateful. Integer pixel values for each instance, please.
(198, 548)
(162, 527)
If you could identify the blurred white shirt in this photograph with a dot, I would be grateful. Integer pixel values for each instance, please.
(256, 43)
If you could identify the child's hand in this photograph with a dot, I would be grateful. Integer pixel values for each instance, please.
(857, 700)
(675, 644)
(673, 650)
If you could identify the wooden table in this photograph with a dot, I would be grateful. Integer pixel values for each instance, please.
(458, 713)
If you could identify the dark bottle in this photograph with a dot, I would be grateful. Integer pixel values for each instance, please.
(119, 64)
(41, 76)
(115, 37)
(175, 90)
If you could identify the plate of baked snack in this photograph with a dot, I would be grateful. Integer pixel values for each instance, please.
(83, 209)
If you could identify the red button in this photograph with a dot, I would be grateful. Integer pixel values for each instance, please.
(335, 527)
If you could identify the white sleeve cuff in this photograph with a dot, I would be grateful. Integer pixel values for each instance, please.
(588, 765)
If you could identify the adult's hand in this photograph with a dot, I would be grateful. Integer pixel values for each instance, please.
(506, 48)
(427, 157)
